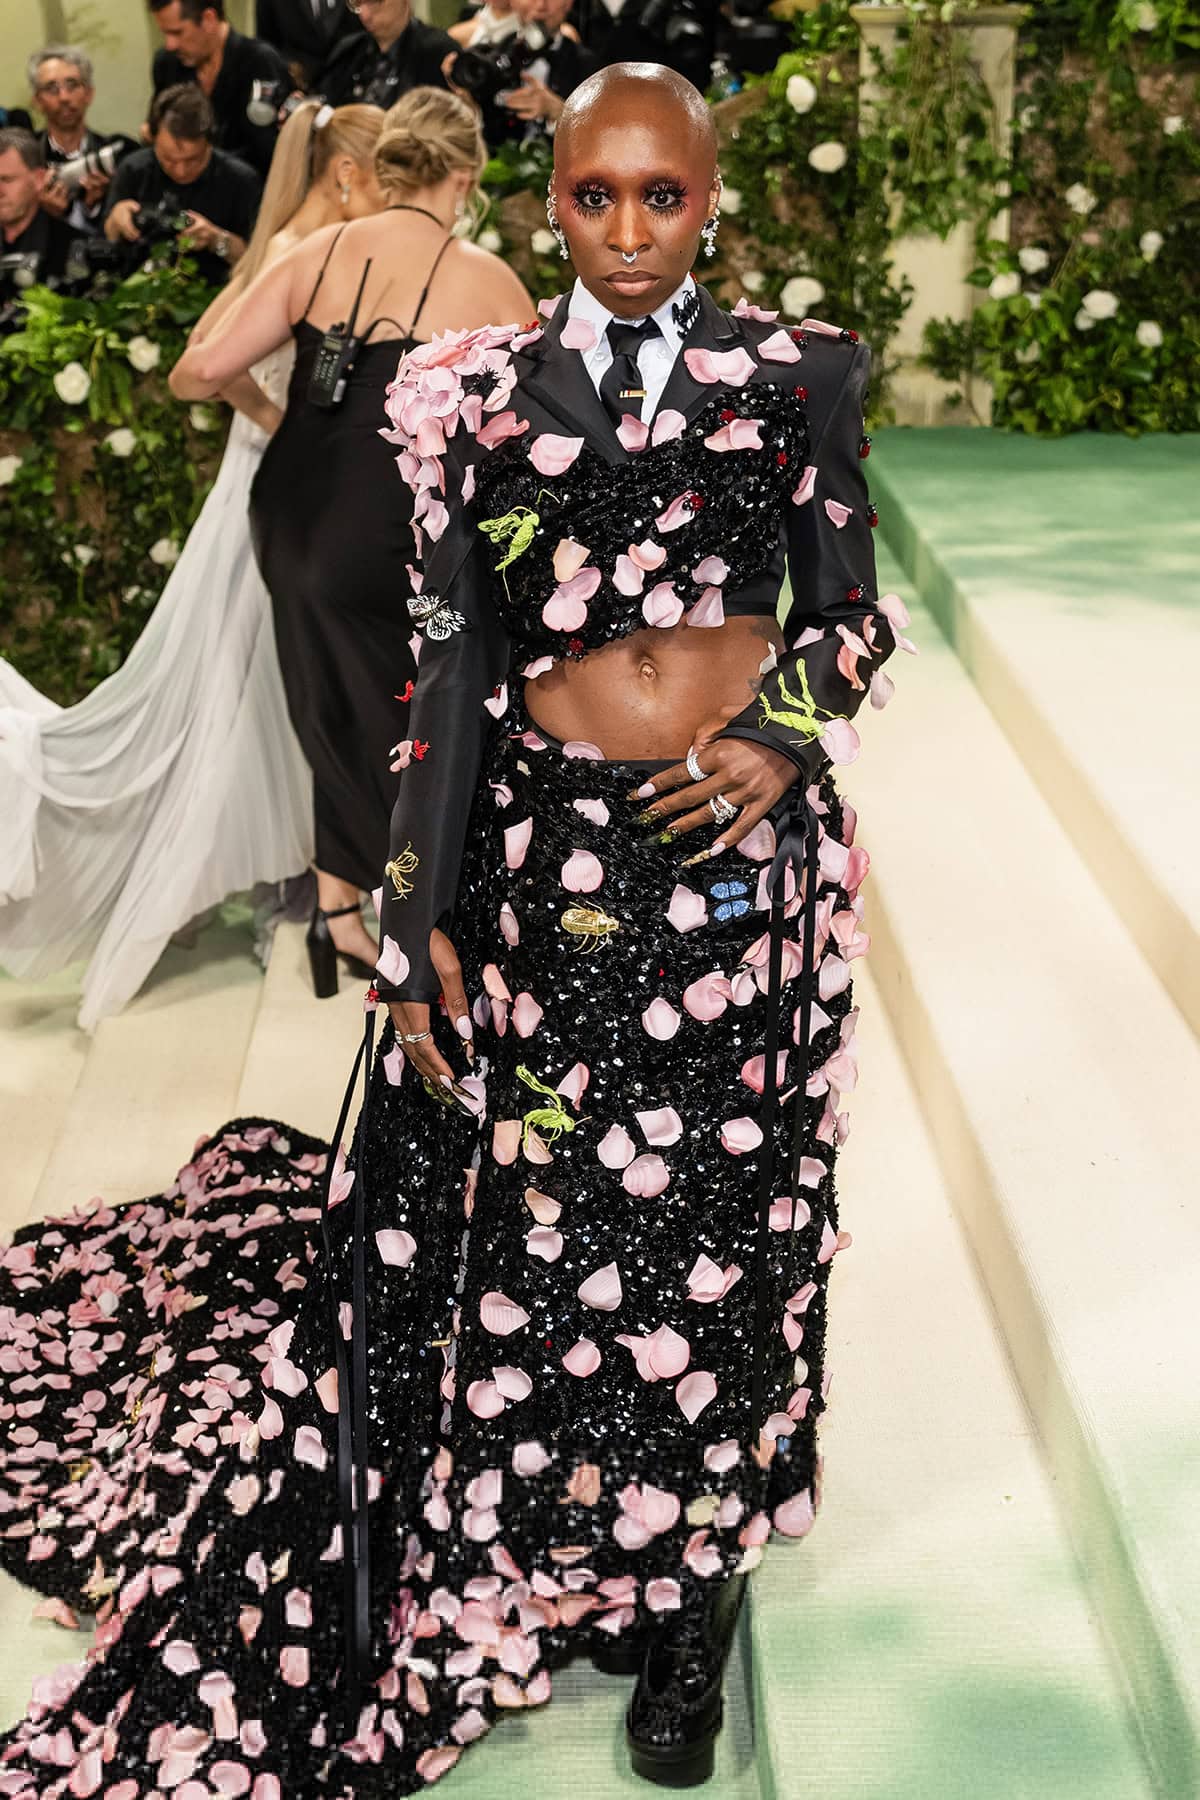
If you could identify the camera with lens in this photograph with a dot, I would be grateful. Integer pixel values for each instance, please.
(19, 270)
(76, 170)
(160, 223)
(493, 69)
(752, 40)
(271, 102)
(93, 261)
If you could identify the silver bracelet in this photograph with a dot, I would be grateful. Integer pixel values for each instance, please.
(415, 1037)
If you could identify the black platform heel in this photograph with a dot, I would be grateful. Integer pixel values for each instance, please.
(677, 1709)
(323, 953)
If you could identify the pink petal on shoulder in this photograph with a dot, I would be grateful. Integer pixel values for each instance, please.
(548, 306)
(577, 334)
(504, 425)
(738, 434)
(669, 424)
(708, 366)
(821, 327)
(745, 309)
(779, 347)
(602, 1290)
(632, 434)
(551, 453)
(694, 1393)
(837, 513)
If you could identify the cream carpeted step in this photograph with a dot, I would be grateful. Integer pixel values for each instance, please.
(41, 1058)
(1065, 573)
(1060, 1083)
(931, 1638)
(302, 1049)
(157, 1076)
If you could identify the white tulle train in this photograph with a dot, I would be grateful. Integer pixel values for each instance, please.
(174, 783)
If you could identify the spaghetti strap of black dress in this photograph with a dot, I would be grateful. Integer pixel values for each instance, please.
(336, 565)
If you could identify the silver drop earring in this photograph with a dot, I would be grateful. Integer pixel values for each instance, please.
(708, 236)
(556, 228)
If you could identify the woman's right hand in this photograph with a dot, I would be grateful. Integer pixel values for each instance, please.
(410, 1018)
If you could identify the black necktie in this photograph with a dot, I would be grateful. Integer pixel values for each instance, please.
(622, 388)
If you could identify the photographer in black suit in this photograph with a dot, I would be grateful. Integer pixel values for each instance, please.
(181, 188)
(396, 53)
(680, 33)
(522, 82)
(245, 81)
(60, 80)
(34, 246)
(306, 33)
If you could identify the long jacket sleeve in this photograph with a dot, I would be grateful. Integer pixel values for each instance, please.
(463, 662)
(838, 631)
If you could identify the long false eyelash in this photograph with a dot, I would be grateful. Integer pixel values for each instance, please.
(677, 192)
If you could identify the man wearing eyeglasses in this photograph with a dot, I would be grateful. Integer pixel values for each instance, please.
(396, 53)
(60, 80)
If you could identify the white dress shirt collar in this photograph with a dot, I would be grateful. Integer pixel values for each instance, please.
(584, 305)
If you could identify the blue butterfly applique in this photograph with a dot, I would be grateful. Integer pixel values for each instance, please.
(732, 900)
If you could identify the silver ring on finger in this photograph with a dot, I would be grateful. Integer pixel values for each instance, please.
(415, 1037)
(722, 809)
(692, 763)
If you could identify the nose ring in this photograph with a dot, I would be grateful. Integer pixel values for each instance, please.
(629, 256)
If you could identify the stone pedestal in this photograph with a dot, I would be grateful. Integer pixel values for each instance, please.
(938, 268)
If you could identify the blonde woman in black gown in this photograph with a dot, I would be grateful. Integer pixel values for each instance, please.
(334, 555)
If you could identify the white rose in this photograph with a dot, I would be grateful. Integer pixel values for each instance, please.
(1146, 18)
(1150, 243)
(164, 552)
(202, 417)
(1084, 321)
(801, 93)
(1027, 118)
(753, 280)
(731, 199)
(1149, 334)
(1006, 286)
(73, 384)
(1080, 199)
(490, 240)
(1034, 298)
(8, 468)
(79, 556)
(801, 292)
(543, 242)
(143, 353)
(1033, 259)
(827, 158)
(1173, 123)
(131, 594)
(1100, 304)
(122, 441)
(1029, 353)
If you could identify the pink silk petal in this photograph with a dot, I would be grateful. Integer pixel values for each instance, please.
(882, 688)
(577, 334)
(580, 750)
(514, 1384)
(516, 843)
(662, 605)
(694, 1393)
(616, 1148)
(807, 486)
(661, 1126)
(780, 347)
(594, 810)
(602, 1290)
(687, 912)
(544, 1209)
(678, 512)
(707, 998)
(840, 741)
(669, 1353)
(544, 1242)
(569, 558)
(733, 367)
(632, 434)
(582, 1359)
(660, 1019)
(526, 1015)
(506, 1140)
(547, 307)
(738, 434)
(628, 579)
(485, 1400)
(741, 1135)
(396, 1247)
(564, 611)
(669, 424)
(646, 1176)
(510, 930)
(504, 425)
(393, 965)
(499, 1314)
(709, 610)
(781, 1214)
(711, 572)
(582, 873)
(837, 513)
(745, 309)
(574, 1083)
(649, 555)
(552, 454)
(795, 1517)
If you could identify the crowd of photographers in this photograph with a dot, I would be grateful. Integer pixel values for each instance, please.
(77, 206)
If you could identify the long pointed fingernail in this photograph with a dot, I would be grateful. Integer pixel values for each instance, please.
(644, 792)
(689, 862)
(463, 1026)
(658, 837)
(648, 817)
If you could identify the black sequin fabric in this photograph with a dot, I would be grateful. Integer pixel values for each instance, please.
(559, 1320)
(681, 522)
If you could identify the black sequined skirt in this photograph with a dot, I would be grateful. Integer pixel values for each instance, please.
(564, 1301)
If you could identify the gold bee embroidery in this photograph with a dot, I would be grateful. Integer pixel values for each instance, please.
(590, 925)
(400, 868)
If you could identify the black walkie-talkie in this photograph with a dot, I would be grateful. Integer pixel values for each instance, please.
(335, 356)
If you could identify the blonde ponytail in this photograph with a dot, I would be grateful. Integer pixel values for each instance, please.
(303, 152)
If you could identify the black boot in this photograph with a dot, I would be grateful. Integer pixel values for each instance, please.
(323, 953)
(623, 1655)
(677, 1708)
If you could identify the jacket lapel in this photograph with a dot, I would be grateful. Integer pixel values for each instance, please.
(712, 329)
(558, 381)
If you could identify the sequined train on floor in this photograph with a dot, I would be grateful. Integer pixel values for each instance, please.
(559, 1326)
